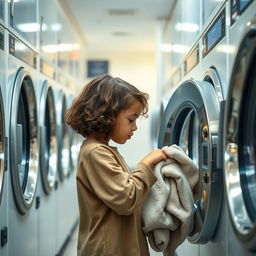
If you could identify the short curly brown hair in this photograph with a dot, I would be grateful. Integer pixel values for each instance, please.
(96, 108)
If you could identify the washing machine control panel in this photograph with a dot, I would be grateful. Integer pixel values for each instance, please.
(21, 51)
(192, 60)
(215, 33)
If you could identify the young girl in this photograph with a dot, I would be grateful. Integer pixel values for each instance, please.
(109, 194)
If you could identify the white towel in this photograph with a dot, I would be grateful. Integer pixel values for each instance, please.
(167, 212)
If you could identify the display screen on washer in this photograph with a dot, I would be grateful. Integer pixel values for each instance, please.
(237, 7)
(243, 4)
(214, 34)
(192, 60)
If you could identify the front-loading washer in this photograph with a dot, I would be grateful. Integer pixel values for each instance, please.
(239, 131)
(48, 164)
(3, 149)
(63, 228)
(214, 71)
(23, 154)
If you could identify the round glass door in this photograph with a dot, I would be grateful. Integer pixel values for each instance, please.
(48, 137)
(63, 137)
(2, 145)
(191, 121)
(23, 141)
(240, 141)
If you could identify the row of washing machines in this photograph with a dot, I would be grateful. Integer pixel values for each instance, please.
(211, 114)
(38, 152)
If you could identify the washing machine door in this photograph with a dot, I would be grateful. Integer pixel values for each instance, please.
(48, 138)
(23, 141)
(191, 120)
(62, 136)
(240, 141)
(2, 145)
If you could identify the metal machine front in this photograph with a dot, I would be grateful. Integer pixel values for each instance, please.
(240, 141)
(23, 141)
(191, 120)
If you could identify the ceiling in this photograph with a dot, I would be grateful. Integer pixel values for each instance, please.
(118, 25)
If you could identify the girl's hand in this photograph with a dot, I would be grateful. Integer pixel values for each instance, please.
(154, 157)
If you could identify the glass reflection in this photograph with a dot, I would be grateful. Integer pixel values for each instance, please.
(22, 123)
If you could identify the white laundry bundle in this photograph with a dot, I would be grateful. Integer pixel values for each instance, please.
(167, 212)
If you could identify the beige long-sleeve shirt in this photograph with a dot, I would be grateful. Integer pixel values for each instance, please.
(110, 198)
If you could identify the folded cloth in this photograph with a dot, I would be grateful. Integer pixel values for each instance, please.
(167, 212)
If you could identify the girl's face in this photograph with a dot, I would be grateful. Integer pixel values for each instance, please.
(125, 123)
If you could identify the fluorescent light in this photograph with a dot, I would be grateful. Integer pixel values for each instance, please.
(60, 47)
(177, 48)
(187, 27)
(56, 27)
(28, 27)
(165, 47)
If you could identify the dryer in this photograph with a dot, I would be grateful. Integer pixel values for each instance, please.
(3, 149)
(23, 157)
(239, 130)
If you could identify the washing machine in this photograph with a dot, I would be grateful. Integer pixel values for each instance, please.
(239, 130)
(63, 228)
(23, 156)
(214, 71)
(192, 121)
(48, 164)
(3, 149)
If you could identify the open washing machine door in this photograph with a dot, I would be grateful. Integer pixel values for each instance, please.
(23, 141)
(240, 141)
(48, 138)
(191, 120)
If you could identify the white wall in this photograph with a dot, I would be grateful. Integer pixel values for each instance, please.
(139, 69)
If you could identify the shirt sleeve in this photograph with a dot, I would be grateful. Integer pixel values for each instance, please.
(121, 191)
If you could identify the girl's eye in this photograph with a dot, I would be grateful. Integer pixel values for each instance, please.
(130, 120)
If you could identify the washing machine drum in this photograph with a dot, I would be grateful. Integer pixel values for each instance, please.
(240, 141)
(191, 120)
(23, 141)
(2, 145)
